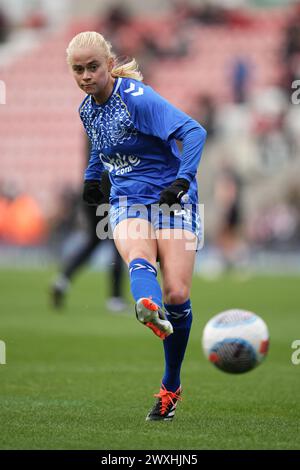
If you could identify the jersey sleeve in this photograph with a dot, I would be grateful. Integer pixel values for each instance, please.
(154, 115)
(95, 167)
(193, 139)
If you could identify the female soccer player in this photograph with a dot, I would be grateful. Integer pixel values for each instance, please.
(133, 132)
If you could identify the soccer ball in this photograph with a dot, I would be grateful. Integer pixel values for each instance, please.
(235, 341)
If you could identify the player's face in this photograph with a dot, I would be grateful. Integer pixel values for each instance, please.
(92, 72)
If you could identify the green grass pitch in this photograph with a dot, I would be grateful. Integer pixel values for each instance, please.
(84, 378)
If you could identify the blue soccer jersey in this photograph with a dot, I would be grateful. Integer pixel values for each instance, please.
(133, 136)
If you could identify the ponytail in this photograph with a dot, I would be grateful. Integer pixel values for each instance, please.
(127, 70)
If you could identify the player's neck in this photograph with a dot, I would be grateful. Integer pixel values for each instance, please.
(103, 96)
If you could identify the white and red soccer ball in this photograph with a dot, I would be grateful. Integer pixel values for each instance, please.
(236, 340)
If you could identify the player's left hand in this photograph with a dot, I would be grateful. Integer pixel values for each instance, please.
(173, 193)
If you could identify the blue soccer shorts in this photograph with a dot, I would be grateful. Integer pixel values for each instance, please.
(187, 217)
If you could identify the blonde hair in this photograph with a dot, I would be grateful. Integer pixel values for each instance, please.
(125, 69)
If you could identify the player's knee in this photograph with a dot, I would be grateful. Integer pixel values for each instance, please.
(177, 295)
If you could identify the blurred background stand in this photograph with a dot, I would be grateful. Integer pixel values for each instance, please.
(229, 64)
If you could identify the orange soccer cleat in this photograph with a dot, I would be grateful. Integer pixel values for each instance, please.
(152, 316)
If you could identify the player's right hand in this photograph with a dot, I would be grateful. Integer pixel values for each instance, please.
(92, 193)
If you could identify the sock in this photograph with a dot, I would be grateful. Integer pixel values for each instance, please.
(143, 282)
(62, 283)
(175, 345)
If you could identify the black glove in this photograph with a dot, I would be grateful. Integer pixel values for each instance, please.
(173, 193)
(92, 193)
(105, 186)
